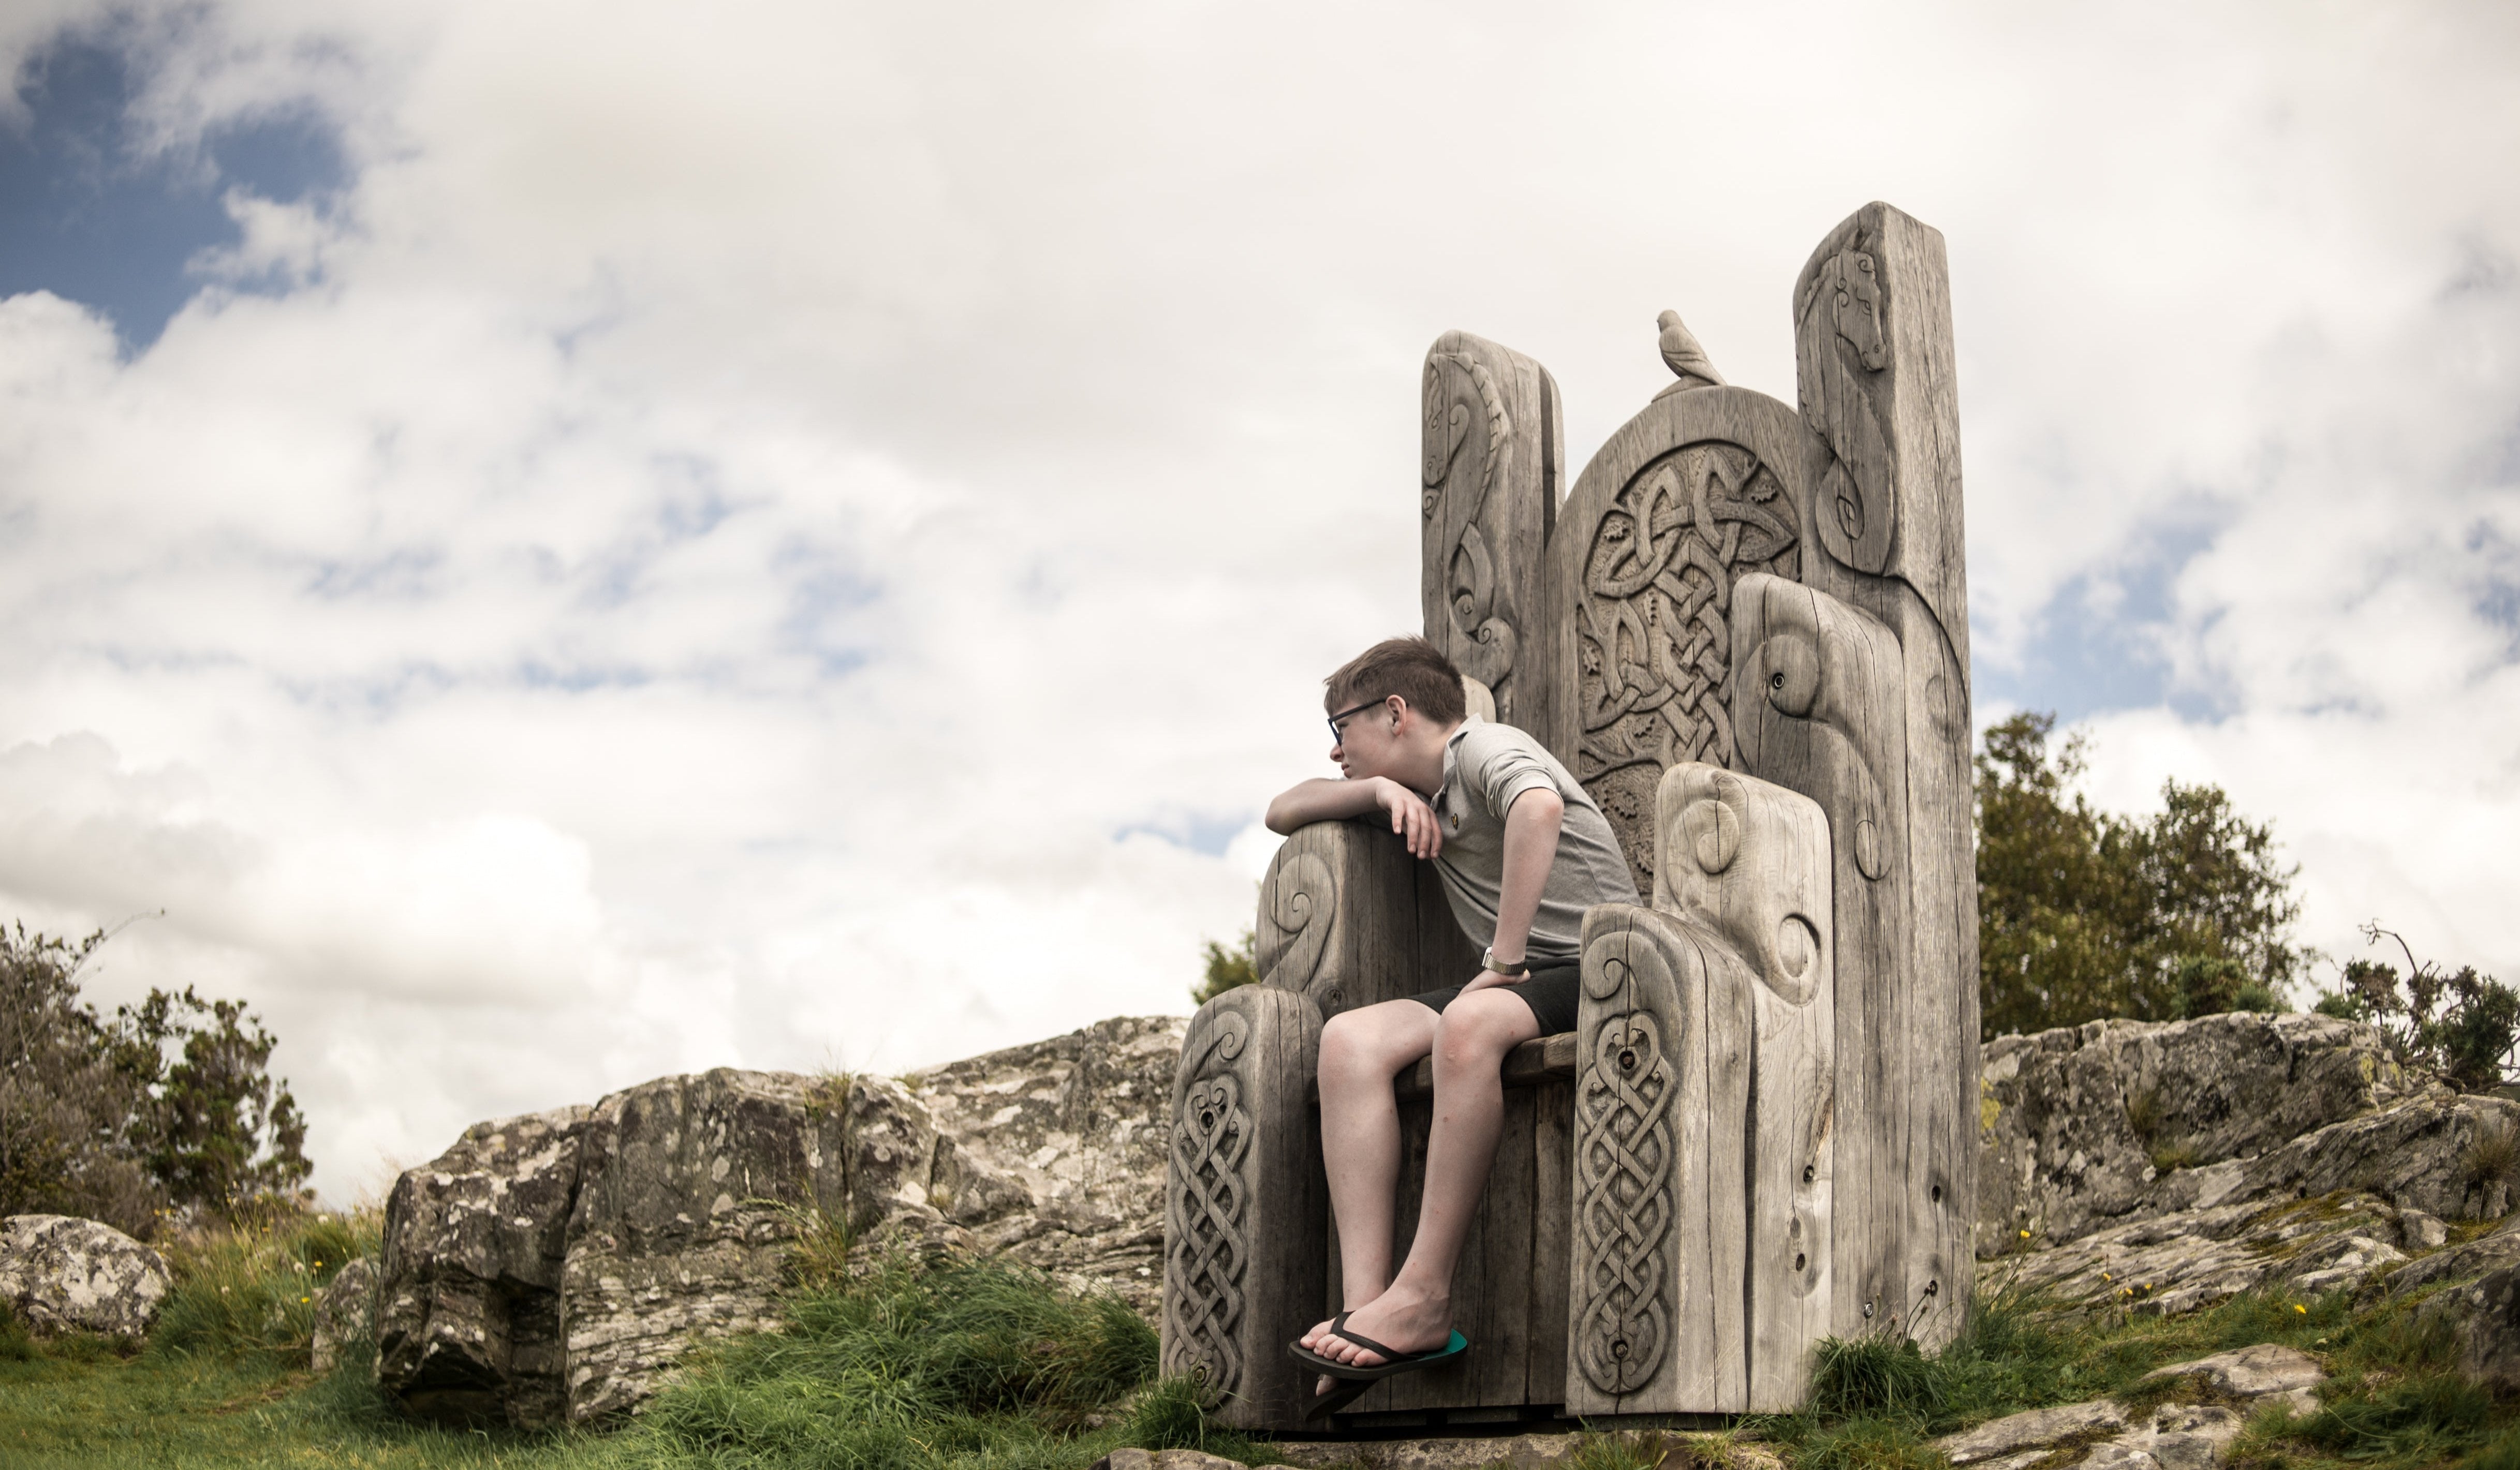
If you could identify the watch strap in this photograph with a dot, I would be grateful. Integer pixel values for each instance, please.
(1494, 965)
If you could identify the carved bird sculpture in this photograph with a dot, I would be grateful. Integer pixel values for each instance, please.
(1684, 357)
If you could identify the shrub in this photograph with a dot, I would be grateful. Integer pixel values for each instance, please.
(1227, 969)
(169, 1102)
(2464, 1026)
(2085, 914)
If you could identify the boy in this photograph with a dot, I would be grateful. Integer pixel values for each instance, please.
(1522, 852)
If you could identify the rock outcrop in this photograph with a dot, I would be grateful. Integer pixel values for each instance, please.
(2209, 1401)
(2166, 1166)
(552, 1267)
(2482, 1318)
(60, 1273)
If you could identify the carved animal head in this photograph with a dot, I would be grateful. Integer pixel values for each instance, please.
(1750, 860)
(1447, 423)
(1851, 289)
(1785, 663)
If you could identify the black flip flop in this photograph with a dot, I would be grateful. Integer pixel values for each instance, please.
(1356, 1378)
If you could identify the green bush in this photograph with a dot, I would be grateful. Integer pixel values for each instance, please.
(2463, 1025)
(1228, 968)
(2085, 914)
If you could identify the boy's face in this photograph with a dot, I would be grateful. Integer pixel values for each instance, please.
(1369, 744)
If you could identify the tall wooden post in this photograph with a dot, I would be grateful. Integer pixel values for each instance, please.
(1492, 437)
(1855, 691)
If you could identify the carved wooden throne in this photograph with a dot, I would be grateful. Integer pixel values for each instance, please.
(1745, 631)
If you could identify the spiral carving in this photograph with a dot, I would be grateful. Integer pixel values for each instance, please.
(1298, 906)
(1623, 1182)
(1207, 1245)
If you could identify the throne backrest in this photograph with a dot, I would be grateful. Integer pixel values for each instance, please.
(1779, 591)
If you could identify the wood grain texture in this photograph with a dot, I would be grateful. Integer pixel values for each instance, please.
(1822, 715)
(1886, 360)
(1490, 439)
(1656, 1305)
(1695, 490)
(1348, 918)
(1750, 861)
(1245, 1203)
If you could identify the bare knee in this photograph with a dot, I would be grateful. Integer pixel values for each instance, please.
(1479, 1029)
(1364, 1044)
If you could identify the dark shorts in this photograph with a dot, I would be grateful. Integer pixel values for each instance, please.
(1551, 992)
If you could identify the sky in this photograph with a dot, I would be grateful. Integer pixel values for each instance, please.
(545, 546)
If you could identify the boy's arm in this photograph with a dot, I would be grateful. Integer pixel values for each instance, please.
(1530, 846)
(1324, 800)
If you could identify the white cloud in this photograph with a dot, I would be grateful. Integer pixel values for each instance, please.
(739, 533)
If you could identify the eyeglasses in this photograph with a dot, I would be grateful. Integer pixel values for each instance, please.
(1338, 736)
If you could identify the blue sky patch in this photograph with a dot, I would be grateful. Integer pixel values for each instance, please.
(87, 215)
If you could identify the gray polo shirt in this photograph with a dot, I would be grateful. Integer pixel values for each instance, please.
(1486, 765)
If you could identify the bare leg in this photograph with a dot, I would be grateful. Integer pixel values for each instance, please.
(1415, 1312)
(1362, 1051)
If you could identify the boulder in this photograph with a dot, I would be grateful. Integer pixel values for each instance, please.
(2482, 1318)
(467, 1297)
(2183, 1434)
(1057, 1155)
(553, 1267)
(2195, 1258)
(2168, 1166)
(689, 1191)
(345, 1313)
(2079, 1126)
(2490, 1252)
(60, 1273)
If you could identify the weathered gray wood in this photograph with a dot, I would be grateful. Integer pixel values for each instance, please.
(1491, 439)
(1873, 344)
(1695, 490)
(1245, 1201)
(1876, 367)
(1750, 860)
(1654, 1305)
(1822, 715)
(1348, 918)
(1553, 1223)
(1830, 1122)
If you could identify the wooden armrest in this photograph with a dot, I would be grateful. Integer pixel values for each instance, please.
(1545, 1058)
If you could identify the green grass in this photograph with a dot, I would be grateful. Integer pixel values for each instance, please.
(2393, 1399)
(962, 1365)
(952, 1366)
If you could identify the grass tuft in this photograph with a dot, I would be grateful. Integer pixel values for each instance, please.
(252, 1289)
(904, 1366)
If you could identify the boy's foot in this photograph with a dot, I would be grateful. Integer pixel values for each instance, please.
(1398, 1318)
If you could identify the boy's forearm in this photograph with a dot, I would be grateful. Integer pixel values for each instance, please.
(1319, 800)
(1531, 827)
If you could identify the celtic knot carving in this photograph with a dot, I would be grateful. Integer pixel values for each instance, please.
(1653, 637)
(1208, 1247)
(1298, 903)
(1623, 1169)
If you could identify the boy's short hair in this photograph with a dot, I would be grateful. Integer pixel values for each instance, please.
(1411, 667)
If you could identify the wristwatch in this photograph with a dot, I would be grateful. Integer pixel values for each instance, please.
(1494, 965)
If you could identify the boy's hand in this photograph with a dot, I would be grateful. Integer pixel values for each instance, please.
(1411, 817)
(1490, 978)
